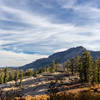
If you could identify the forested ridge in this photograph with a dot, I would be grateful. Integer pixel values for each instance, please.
(60, 57)
(82, 71)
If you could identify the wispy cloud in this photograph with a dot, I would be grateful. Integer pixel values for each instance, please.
(31, 29)
(17, 59)
(67, 3)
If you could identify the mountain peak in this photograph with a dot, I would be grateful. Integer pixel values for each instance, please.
(80, 47)
(60, 57)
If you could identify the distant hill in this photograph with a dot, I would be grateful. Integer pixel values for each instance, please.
(60, 57)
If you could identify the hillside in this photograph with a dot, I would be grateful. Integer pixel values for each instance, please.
(60, 57)
(37, 85)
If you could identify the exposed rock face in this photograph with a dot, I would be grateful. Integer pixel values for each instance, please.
(37, 85)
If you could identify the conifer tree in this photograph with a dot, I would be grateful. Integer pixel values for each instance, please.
(57, 67)
(95, 72)
(77, 64)
(16, 77)
(47, 69)
(86, 66)
(90, 70)
(53, 66)
(6, 76)
(67, 66)
(81, 72)
(72, 65)
(64, 67)
(98, 63)
(10, 76)
(1, 77)
(21, 77)
(68, 63)
(79, 68)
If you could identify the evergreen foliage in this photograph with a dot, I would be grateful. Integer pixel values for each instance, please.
(72, 65)
(21, 78)
(53, 67)
(6, 76)
(84, 66)
(1, 77)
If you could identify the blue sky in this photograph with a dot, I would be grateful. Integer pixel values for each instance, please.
(32, 29)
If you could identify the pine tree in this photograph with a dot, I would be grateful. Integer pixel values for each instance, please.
(6, 76)
(1, 77)
(64, 67)
(16, 77)
(57, 67)
(72, 65)
(21, 78)
(95, 72)
(67, 65)
(79, 68)
(77, 64)
(10, 76)
(98, 63)
(81, 72)
(86, 66)
(47, 69)
(53, 66)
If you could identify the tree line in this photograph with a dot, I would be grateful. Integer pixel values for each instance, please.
(7, 75)
(84, 66)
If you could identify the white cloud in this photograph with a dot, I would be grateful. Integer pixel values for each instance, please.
(8, 58)
(67, 3)
(60, 50)
(88, 10)
(41, 30)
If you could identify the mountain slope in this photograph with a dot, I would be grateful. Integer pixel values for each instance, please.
(60, 57)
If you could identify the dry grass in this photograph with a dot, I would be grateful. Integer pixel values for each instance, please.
(80, 96)
(43, 97)
(84, 95)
